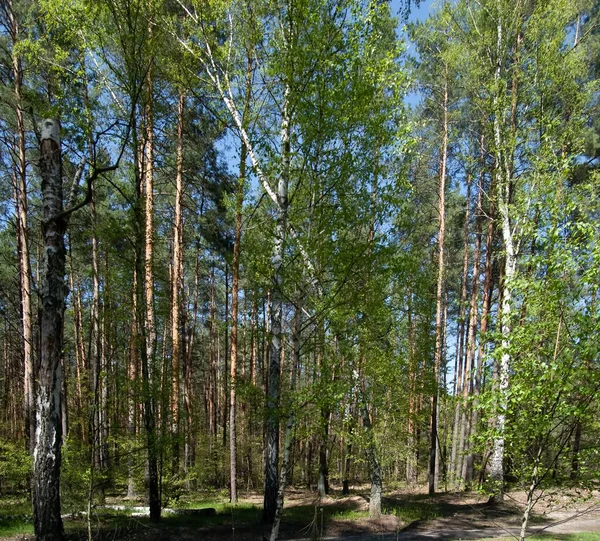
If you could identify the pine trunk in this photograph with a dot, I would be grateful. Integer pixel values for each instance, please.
(176, 289)
(23, 238)
(433, 444)
(149, 347)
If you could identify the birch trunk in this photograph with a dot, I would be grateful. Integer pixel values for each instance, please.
(503, 173)
(47, 452)
(273, 396)
(290, 426)
(374, 466)
(234, 327)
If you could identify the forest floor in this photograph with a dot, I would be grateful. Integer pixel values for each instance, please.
(408, 515)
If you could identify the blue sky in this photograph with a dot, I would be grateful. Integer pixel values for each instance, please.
(417, 14)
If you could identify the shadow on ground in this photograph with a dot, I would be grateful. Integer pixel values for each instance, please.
(453, 511)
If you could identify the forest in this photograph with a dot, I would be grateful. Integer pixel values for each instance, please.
(252, 248)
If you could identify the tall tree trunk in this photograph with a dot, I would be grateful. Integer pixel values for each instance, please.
(149, 346)
(468, 465)
(47, 453)
(234, 326)
(503, 173)
(272, 458)
(177, 287)
(374, 465)
(458, 364)
(325, 411)
(433, 445)
(79, 352)
(23, 238)
(235, 292)
(291, 424)
(96, 349)
(351, 421)
(132, 374)
(411, 459)
(189, 442)
(226, 352)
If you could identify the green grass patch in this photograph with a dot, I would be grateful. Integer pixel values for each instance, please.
(349, 514)
(411, 510)
(15, 516)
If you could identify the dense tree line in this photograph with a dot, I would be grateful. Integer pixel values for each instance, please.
(258, 266)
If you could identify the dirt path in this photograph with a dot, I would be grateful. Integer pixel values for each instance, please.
(468, 516)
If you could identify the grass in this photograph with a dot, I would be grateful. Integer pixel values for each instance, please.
(16, 519)
(411, 511)
(349, 514)
(417, 507)
(15, 516)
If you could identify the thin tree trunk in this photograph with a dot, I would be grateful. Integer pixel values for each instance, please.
(439, 293)
(176, 288)
(374, 465)
(411, 459)
(234, 326)
(458, 364)
(575, 449)
(235, 293)
(323, 477)
(23, 238)
(189, 443)
(350, 419)
(79, 352)
(132, 372)
(149, 347)
(503, 169)
(96, 348)
(226, 353)
(468, 464)
(273, 396)
(290, 426)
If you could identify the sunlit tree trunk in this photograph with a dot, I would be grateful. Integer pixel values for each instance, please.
(503, 169)
(23, 235)
(458, 363)
(433, 449)
(477, 367)
(146, 258)
(235, 293)
(272, 458)
(374, 464)
(47, 452)
(234, 327)
(176, 288)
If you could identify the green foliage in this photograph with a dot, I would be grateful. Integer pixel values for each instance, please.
(15, 467)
